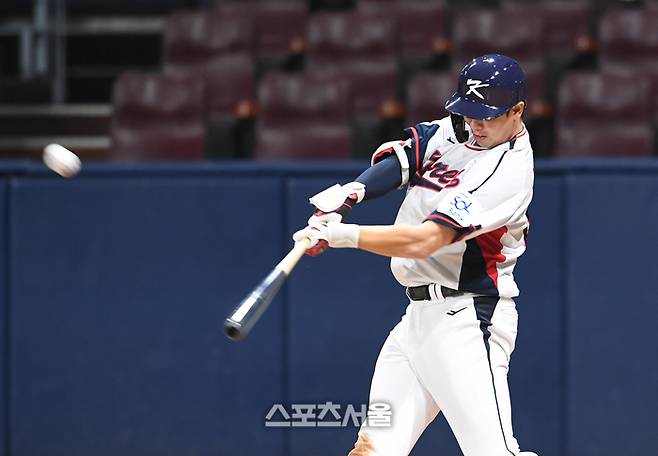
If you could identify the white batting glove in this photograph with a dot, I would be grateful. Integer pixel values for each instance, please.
(314, 234)
(334, 203)
(319, 218)
(337, 235)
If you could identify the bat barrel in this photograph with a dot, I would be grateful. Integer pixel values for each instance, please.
(239, 323)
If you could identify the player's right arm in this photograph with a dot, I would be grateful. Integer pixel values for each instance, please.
(393, 165)
(335, 203)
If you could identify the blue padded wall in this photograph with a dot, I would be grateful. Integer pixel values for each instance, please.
(120, 280)
(612, 314)
(4, 294)
(119, 288)
(536, 368)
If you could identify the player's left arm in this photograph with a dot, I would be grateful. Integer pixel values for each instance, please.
(405, 241)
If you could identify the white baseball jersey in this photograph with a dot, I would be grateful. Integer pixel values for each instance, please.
(482, 193)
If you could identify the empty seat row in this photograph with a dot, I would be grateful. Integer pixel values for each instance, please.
(163, 117)
(308, 115)
(424, 26)
(364, 45)
(629, 39)
(303, 116)
(605, 114)
(268, 29)
(158, 117)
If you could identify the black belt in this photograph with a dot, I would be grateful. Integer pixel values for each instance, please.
(422, 292)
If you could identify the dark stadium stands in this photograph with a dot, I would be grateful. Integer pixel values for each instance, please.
(361, 46)
(427, 94)
(158, 117)
(386, 50)
(280, 27)
(604, 114)
(422, 25)
(629, 39)
(191, 37)
(566, 24)
(303, 115)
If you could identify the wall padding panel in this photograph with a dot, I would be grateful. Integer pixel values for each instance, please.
(119, 287)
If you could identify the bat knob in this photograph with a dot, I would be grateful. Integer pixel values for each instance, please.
(233, 330)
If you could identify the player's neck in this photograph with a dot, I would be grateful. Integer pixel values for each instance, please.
(516, 131)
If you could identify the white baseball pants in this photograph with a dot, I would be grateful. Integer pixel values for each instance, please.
(447, 355)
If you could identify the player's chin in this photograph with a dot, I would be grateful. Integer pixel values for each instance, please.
(481, 140)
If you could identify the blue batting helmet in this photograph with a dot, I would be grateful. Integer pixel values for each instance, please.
(488, 87)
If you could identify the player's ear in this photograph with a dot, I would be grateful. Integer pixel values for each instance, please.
(518, 109)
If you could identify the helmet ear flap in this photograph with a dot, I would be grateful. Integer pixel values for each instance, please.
(459, 126)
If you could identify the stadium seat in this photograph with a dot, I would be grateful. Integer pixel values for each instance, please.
(217, 45)
(303, 116)
(505, 31)
(427, 94)
(230, 82)
(422, 24)
(158, 117)
(603, 114)
(629, 39)
(192, 37)
(280, 27)
(566, 24)
(361, 46)
(229, 102)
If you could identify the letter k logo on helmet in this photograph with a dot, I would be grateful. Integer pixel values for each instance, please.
(505, 84)
(473, 85)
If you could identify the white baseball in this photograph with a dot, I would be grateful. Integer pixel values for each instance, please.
(61, 160)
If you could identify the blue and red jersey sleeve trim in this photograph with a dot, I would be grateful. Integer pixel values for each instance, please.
(446, 220)
(420, 135)
(415, 149)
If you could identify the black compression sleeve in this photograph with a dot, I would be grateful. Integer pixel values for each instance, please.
(381, 177)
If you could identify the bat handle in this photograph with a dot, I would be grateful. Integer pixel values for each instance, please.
(289, 261)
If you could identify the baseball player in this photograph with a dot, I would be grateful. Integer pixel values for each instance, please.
(454, 245)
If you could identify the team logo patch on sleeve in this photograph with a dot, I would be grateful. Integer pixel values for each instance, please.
(462, 207)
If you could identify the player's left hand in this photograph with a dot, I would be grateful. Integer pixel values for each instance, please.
(336, 202)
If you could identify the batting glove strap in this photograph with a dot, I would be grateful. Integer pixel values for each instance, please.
(342, 235)
(339, 198)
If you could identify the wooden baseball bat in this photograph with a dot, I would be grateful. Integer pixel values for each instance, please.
(239, 323)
